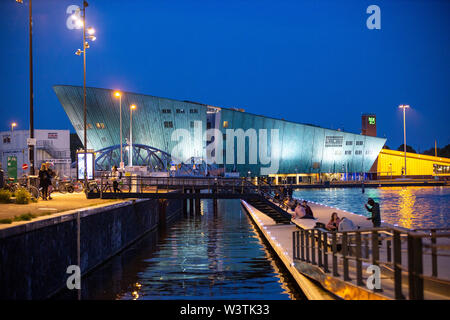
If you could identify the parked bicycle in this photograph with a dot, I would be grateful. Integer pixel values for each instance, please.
(24, 182)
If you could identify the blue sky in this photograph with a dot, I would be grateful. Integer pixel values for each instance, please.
(308, 61)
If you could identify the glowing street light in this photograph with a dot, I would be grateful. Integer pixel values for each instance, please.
(82, 23)
(404, 107)
(13, 125)
(130, 154)
(117, 94)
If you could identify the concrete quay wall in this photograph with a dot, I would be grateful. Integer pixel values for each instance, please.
(34, 256)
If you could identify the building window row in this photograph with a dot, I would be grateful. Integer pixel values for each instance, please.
(440, 169)
(7, 139)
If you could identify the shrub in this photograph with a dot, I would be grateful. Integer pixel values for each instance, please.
(23, 196)
(5, 221)
(5, 196)
(24, 217)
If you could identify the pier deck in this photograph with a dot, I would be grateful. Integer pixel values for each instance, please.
(281, 239)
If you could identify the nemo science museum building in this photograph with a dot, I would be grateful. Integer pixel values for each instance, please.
(231, 139)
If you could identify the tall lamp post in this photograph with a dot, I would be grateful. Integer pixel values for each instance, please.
(130, 160)
(117, 94)
(31, 146)
(13, 125)
(404, 107)
(82, 23)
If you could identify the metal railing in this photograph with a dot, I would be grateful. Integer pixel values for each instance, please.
(383, 247)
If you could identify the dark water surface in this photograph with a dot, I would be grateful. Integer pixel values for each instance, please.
(408, 207)
(211, 256)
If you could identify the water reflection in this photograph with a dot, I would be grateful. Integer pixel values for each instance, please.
(409, 207)
(210, 256)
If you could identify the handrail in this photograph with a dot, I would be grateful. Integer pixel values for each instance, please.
(385, 250)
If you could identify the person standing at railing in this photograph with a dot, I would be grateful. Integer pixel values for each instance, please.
(375, 210)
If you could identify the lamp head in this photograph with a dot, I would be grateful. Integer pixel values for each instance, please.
(117, 94)
(133, 107)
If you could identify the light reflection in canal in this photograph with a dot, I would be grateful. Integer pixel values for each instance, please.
(210, 256)
(408, 207)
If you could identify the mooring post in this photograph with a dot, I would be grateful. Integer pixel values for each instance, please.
(197, 201)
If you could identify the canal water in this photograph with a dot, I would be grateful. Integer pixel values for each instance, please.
(210, 256)
(408, 207)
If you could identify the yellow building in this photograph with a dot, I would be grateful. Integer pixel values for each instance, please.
(391, 163)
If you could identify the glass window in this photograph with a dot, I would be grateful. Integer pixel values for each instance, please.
(193, 111)
(180, 110)
(166, 111)
(348, 152)
(348, 143)
(7, 139)
(225, 124)
(168, 124)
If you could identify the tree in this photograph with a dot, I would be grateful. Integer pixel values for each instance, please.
(408, 148)
(441, 152)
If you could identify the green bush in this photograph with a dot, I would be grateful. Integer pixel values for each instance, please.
(23, 196)
(5, 196)
(24, 217)
(5, 221)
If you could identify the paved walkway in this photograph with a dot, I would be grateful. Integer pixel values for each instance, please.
(60, 203)
(280, 238)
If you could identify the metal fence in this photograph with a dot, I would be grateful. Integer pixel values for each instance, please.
(383, 247)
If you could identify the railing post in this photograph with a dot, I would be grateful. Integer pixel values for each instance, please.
(415, 269)
(359, 280)
(434, 266)
(313, 246)
(344, 255)
(388, 250)
(297, 234)
(334, 248)
(375, 248)
(302, 238)
(397, 266)
(307, 245)
(325, 251)
(294, 245)
(319, 246)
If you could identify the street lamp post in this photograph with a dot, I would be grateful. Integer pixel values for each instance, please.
(404, 107)
(130, 161)
(12, 126)
(91, 36)
(31, 146)
(119, 95)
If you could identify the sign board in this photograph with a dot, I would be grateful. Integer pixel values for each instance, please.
(371, 120)
(80, 166)
(53, 135)
(24, 166)
(31, 141)
(12, 167)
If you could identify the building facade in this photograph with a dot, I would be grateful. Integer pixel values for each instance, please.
(243, 142)
(51, 146)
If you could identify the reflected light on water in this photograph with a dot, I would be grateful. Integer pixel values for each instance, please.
(408, 207)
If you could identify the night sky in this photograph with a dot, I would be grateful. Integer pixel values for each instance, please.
(308, 61)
